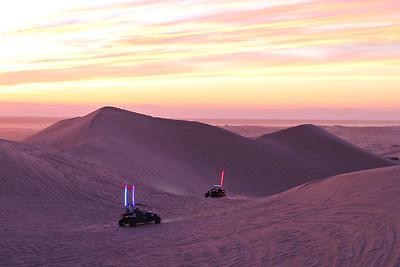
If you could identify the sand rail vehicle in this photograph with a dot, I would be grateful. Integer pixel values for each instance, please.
(217, 191)
(136, 213)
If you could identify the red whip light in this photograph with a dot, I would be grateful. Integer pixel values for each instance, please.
(222, 176)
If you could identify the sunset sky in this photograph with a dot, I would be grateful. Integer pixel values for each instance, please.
(333, 59)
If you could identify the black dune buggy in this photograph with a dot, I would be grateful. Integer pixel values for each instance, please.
(215, 191)
(138, 215)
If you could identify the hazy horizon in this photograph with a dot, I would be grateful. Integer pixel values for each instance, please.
(37, 122)
(193, 112)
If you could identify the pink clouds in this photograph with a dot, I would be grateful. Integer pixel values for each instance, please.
(283, 29)
(91, 72)
(166, 42)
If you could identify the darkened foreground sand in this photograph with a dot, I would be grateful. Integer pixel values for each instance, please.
(61, 197)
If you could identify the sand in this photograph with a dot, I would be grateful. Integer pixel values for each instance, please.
(383, 140)
(61, 197)
(184, 157)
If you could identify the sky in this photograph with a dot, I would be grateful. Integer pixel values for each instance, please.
(337, 59)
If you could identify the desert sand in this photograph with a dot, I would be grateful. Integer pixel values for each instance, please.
(380, 140)
(61, 196)
(383, 141)
(175, 156)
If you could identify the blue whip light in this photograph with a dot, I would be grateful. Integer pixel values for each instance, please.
(126, 196)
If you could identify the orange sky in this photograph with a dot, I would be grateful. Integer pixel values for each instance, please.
(250, 58)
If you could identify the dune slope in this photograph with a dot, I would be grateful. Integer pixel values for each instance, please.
(382, 140)
(183, 157)
(59, 210)
(314, 146)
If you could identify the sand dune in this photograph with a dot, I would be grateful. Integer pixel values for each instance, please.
(313, 146)
(32, 177)
(61, 197)
(383, 140)
(379, 140)
(61, 210)
(183, 157)
(252, 131)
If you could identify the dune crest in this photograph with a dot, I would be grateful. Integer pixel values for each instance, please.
(185, 157)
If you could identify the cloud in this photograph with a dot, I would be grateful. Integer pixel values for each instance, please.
(74, 41)
(92, 72)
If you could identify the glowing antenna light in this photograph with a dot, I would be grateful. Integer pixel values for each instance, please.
(126, 196)
(222, 176)
(133, 195)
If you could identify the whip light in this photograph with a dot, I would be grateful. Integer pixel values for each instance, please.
(126, 195)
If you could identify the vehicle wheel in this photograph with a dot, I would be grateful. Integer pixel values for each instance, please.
(157, 219)
(206, 195)
(121, 223)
